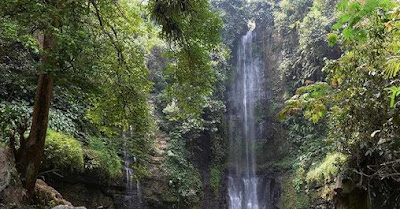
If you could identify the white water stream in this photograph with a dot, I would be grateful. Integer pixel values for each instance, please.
(133, 190)
(243, 181)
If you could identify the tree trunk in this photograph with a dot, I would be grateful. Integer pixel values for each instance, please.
(31, 150)
(30, 153)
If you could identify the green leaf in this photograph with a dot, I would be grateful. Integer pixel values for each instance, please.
(395, 92)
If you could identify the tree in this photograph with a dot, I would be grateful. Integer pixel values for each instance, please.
(192, 30)
(30, 152)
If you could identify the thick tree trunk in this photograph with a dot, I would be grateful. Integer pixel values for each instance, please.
(31, 150)
(30, 153)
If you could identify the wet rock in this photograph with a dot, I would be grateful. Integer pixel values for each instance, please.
(45, 194)
(11, 190)
(90, 195)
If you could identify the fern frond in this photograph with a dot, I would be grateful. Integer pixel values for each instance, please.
(395, 92)
(392, 67)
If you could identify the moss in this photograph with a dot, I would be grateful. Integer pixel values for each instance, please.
(62, 152)
(327, 169)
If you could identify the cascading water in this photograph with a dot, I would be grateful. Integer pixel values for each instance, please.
(133, 200)
(245, 93)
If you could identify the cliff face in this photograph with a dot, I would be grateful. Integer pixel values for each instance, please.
(90, 191)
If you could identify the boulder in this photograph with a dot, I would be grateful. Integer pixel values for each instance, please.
(11, 190)
(46, 195)
(90, 195)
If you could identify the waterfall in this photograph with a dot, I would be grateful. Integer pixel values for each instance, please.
(245, 93)
(133, 199)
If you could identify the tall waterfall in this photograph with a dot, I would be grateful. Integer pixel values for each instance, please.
(244, 94)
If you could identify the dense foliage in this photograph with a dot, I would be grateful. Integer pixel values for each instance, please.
(102, 156)
(357, 105)
(185, 158)
(63, 152)
(193, 30)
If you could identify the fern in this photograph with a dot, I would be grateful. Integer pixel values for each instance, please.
(392, 67)
(395, 92)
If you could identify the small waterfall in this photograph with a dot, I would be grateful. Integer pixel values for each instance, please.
(245, 93)
(133, 199)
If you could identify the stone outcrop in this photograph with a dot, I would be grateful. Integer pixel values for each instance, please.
(91, 191)
(156, 183)
(46, 195)
(348, 196)
(11, 190)
(86, 190)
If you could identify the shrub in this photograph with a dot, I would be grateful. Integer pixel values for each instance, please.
(185, 183)
(327, 169)
(102, 157)
(62, 152)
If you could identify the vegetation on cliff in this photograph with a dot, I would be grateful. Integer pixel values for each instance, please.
(355, 113)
